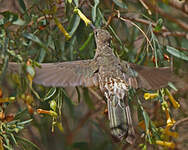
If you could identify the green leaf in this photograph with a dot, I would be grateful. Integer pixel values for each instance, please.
(20, 114)
(26, 143)
(159, 25)
(172, 86)
(35, 39)
(87, 98)
(173, 51)
(50, 93)
(86, 42)
(120, 3)
(69, 103)
(4, 68)
(81, 146)
(19, 22)
(24, 122)
(94, 10)
(74, 24)
(147, 122)
(22, 5)
(9, 16)
(42, 55)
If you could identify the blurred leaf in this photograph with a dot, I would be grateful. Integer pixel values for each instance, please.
(76, 2)
(173, 51)
(4, 68)
(20, 114)
(9, 16)
(13, 138)
(42, 55)
(69, 103)
(147, 122)
(81, 146)
(70, 1)
(27, 144)
(172, 86)
(19, 22)
(94, 10)
(165, 1)
(120, 3)
(24, 122)
(87, 98)
(35, 39)
(159, 25)
(86, 42)
(19, 57)
(22, 4)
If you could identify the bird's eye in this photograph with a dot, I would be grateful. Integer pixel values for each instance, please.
(96, 33)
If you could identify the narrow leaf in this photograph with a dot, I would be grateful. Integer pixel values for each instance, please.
(22, 4)
(173, 51)
(94, 10)
(87, 98)
(35, 39)
(75, 24)
(27, 144)
(50, 93)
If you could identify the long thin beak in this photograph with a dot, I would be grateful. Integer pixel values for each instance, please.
(92, 26)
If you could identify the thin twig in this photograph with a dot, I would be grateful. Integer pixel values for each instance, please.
(146, 7)
(166, 15)
(181, 7)
(179, 122)
(127, 20)
(163, 32)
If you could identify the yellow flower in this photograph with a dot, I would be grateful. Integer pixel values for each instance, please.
(169, 133)
(62, 29)
(170, 122)
(60, 126)
(7, 99)
(171, 98)
(82, 16)
(166, 132)
(150, 95)
(165, 143)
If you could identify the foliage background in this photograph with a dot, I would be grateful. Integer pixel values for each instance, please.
(32, 30)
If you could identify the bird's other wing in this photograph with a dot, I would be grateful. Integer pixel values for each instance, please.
(63, 74)
(150, 78)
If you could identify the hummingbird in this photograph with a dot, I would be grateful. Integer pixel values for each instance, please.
(113, 76)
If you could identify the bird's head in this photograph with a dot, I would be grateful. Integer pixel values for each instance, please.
(102, 37)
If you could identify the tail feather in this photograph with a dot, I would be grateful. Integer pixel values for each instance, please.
(120, 120)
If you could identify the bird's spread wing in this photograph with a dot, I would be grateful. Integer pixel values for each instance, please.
(75, 73)
(147, 77)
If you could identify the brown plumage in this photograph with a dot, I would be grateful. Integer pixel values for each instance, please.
(113, 76)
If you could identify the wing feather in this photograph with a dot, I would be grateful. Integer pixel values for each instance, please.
(75, 73)
(149, 78)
